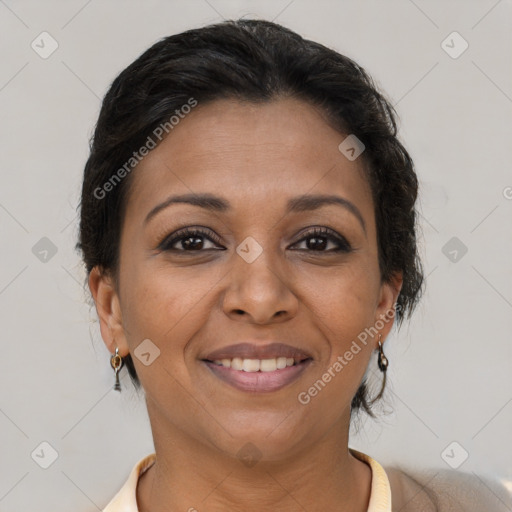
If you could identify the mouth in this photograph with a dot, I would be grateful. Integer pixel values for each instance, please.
(252, 368)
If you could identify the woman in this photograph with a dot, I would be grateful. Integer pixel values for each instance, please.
(248, 228)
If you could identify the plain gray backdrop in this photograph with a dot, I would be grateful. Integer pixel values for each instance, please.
(450, 381)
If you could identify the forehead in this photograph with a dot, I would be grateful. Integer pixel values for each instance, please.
(251, 153)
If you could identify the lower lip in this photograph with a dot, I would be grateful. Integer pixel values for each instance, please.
(258, 382)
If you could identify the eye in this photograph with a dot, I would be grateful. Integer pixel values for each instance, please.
(190, 240)
(196, 240)
(318, 239)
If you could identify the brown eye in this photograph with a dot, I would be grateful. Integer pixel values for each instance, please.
(190, 240)
(318, 240)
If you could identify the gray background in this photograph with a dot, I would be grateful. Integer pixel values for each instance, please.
(451, 367)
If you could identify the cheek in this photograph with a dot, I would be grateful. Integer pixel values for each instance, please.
(350, 348)
(166, 306)
(343, 308)
(345, 294)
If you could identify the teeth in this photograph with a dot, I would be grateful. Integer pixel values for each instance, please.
(237, 363)
(281, 362)
(268, 365)
(251, 365)
(254, 365)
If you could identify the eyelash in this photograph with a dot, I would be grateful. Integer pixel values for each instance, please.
(329, 234)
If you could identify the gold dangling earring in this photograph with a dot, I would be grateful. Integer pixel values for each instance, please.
(383, 366)
(116, 361)
(383, 360)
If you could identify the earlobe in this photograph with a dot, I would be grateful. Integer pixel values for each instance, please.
(386, 307)
(109, 311)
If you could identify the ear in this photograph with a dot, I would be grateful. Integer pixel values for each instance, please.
(385, 311)
(108, 308)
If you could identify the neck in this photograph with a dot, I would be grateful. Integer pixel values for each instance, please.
(191, 476)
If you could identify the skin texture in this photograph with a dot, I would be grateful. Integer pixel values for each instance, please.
(191, 303)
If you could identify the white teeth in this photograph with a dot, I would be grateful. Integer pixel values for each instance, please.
(268, 365)
(251, 365)
(254, 365)
(281, 362)
(237, 363)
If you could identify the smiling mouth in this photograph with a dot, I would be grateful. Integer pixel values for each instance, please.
(258, 365)
(258, 375)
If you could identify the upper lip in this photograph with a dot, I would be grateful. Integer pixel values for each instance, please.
(253, 351)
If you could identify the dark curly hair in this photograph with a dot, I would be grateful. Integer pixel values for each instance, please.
(254, 61)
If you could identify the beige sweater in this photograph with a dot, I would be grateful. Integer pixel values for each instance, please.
(126, 498)
(392, 490)
(446, 491)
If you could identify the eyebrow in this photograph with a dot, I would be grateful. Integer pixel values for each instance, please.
(297, 204)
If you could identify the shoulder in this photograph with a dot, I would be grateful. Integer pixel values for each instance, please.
(443, 490)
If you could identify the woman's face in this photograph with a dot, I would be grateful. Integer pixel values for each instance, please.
(258, 275)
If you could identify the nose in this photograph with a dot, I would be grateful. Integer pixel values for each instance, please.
(258, 292)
